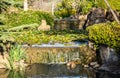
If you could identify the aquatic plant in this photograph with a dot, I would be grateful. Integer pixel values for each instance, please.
(16, 74)
(16, 57)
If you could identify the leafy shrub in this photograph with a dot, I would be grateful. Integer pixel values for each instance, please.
(115, 4)
(5, 4)
(28, 17)
(85, 6)
(65, 8)
(72, 7)
(105, 33)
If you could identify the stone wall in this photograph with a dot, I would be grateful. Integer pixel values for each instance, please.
(68, 24)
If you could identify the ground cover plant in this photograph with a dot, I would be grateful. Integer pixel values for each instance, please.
(19, 18)
(105, 33)
(39, 37)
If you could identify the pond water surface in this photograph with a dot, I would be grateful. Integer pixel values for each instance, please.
(55, 71)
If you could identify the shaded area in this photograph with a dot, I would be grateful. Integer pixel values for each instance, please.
(106, 75)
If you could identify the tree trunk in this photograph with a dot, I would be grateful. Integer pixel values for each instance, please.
(114, 15)
(25, 5)
(53, 3)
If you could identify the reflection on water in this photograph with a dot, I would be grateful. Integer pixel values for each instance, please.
(54, 71)
(57, 70)
(11, 74)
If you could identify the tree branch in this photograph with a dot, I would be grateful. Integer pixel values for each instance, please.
(114, 15)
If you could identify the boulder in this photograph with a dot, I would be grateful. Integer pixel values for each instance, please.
(99, 15)
(110, 17)
(96, 15)
(110, 60)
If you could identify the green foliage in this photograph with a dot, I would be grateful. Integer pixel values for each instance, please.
(39, 37)
(5, 42)
(115, 4)
(28, 17)
(6, 38)
(65, 8)
(4, 4)
(72, 7)
(105, 33)
(85, 6)
(16, 54)
(16, 74)
(24, 27)
(2, 19)
(100, 3)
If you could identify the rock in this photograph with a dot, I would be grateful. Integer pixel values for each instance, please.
(110, 17)
(97, 15)
(4, 73)
(71, 65)
(70, 23)
(110, 60)
(108, 55)
(4, 63)
(94, 65)
(86, 66)
(91, 45)
(44, 26)
(82, 19)
(113, 69)
(104, 68)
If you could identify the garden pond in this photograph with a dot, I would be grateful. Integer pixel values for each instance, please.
(50, 61)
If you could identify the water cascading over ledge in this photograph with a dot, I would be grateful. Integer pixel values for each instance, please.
(53, 55)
